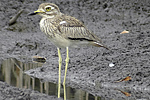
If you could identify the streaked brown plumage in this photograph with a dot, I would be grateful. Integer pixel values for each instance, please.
(71, 31)
(64, 31)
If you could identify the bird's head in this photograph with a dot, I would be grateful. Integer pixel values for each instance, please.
(48, 10)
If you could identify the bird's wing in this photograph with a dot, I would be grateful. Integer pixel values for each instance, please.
(73, 29)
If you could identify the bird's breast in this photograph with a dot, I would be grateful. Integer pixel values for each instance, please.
(47, 27)
(52, 33)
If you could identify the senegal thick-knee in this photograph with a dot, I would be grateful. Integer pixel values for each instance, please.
(64, 31)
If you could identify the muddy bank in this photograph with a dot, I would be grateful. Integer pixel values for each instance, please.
(88, 66)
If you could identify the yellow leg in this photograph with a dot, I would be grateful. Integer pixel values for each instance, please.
(67, 60)
(59, 79)
(64, 91)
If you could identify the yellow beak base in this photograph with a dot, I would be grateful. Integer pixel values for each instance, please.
(35, 12)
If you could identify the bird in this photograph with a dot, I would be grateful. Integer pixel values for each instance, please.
(64, 31)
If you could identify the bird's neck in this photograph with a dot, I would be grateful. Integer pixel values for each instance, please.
(50, 16)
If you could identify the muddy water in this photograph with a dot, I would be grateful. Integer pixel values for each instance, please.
(12, 72)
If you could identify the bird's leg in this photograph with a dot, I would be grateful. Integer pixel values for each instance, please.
(64, 85)
(67, 61)
(59, 80)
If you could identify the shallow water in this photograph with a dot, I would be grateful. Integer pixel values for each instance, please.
(12, 72)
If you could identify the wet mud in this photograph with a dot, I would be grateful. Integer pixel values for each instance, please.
(89, 67)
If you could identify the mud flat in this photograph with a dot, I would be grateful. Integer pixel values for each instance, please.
(89, 68)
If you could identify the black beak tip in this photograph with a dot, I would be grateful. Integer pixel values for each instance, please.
(30, 14)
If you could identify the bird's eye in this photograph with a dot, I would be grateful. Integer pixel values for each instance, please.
(48, 8)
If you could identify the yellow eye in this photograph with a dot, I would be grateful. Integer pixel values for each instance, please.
(48, 8)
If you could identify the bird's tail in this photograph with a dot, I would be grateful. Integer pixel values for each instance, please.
(98, 44)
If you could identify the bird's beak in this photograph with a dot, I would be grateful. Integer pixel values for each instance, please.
(35, 12)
